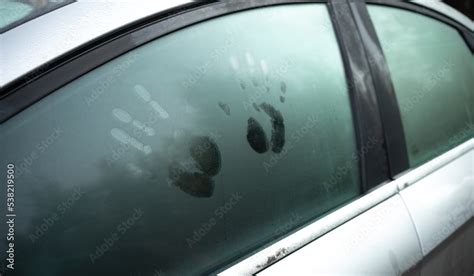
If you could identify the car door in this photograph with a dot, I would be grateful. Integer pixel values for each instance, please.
(188, 151)
(429, 61)
(436, 103)
(224, 138)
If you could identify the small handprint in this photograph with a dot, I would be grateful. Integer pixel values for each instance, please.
(259, 77)
(195, 160)
(124, 138)
(134, 139)
(126, 118)
(141, 92)
(283, 91)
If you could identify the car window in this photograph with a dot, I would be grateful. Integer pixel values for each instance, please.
(432, 71)
(188, 152)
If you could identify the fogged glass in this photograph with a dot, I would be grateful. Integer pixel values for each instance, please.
(188, 152)
(432, 70)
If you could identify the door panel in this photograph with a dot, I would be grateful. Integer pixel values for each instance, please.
(435, 203)
(381, 241)
(442, 202)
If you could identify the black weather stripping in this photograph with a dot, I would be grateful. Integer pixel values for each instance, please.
(389, 110)
(371, 154)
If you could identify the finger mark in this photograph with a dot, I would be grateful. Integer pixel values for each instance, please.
(160, 110)
(264, 67)
(283, 87)
(250, 60)
(122, 115)
(142, 93)
(278, 127)
(225, 107)
(234, 63)
(120, 135)
(141, 126)
(256, 136)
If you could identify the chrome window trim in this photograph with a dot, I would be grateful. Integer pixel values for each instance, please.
(278, 250)
(412, 176)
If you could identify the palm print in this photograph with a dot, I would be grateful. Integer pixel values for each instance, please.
(197, 159)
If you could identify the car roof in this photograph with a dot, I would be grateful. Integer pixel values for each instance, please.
(53, 34)
(26, 47)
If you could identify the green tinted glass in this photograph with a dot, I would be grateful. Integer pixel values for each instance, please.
(187, 152)
(432, 70)
(11, 11)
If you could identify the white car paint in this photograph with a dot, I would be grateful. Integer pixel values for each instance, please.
(38, 41)
(441, 202)
(381, 241)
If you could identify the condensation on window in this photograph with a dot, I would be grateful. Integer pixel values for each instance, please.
(187, 152)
